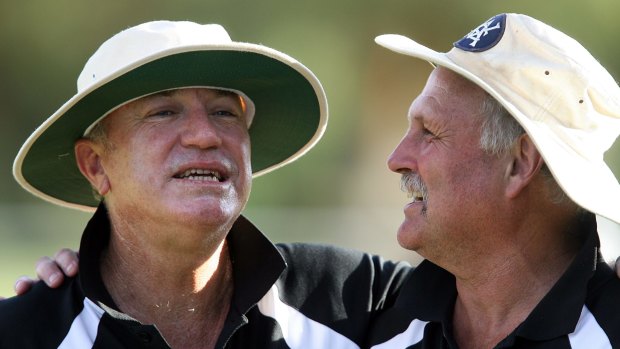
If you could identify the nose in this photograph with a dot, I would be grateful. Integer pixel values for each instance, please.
(199, 130)
(402, 158)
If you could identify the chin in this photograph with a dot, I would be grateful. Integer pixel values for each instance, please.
(408, 238)
(204, 215)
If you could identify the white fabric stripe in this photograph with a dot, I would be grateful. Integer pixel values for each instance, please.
(412, 335)
(83, 330)
(588, 333)
(299, 331)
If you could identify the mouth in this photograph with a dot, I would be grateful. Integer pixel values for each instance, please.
(412, 184)
(417, 197)
(199, 174)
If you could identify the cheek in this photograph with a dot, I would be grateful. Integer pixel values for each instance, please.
(241, 150)
(135, 161)
(247, 158)
(448, 180)
(471, 186)
(246, 165)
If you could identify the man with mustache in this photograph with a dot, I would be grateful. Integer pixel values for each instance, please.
(503, 160)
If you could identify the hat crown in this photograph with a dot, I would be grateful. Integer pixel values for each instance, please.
(163, 55)
(550, 77)
(138, 43)
(565, 100)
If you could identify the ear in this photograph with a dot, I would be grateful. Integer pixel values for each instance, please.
(88, 158)
(525, 165)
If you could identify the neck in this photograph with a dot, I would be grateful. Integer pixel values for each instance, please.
(500, 288)
(194, 288)
(489, 307)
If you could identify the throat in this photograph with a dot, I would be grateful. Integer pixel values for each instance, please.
(191, 291)
(475, 331)
(183, 312)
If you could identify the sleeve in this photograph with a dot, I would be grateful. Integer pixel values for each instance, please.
(38, 319)
(342, 288)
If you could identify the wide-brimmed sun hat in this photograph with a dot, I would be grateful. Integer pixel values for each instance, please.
(565, 100)
(284, 100)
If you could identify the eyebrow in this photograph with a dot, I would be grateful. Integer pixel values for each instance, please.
(218, 92)
(225, 93)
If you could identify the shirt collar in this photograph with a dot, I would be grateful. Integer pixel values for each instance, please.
(257, 264)
(430, 293)
(558, 312)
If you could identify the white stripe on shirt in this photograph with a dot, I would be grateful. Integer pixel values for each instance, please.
(83, 330)
(298, 331)
(588, 333)
(412, 335)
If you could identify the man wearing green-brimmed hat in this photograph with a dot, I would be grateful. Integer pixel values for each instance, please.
(170, 122)
(503, 158)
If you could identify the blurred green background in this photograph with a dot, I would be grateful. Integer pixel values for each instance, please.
(341, 192)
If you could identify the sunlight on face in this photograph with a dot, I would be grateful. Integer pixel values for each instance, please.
(457, 180)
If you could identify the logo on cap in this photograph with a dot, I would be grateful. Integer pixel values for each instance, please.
(484, 36)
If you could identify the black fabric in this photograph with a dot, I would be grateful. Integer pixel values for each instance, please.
(430, 292)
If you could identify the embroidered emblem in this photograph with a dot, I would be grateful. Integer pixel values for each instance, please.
(485, 36)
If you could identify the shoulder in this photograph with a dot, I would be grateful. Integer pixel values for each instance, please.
(604, 290)
(603, 304)
(323, 284)
(16, 307)
(41, 316)
(342, 274)
(305, 258)
(300, 253)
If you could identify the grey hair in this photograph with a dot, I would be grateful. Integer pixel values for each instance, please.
(98, 134)
(498, 133)
(499, 130)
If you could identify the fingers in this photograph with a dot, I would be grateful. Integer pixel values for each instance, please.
(51, 271)
(67, 260)
(48, 271)
(23, 285)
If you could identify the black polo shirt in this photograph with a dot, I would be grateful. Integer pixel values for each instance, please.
(289, 296)
(582, 310)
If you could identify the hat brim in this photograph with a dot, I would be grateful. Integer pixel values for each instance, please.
(290, 112)
(590, 184)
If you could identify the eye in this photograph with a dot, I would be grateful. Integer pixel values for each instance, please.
(428, 133)
(225, 112)
(161, 113)
(228, 115)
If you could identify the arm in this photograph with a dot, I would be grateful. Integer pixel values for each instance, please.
(65, 262)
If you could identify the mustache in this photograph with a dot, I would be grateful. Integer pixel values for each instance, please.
(412, 184)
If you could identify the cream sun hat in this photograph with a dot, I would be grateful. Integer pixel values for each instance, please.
(285, 102)
(564, 99)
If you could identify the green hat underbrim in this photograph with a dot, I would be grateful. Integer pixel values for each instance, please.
(290, 116)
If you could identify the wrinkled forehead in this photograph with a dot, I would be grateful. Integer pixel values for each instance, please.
(204, 90)
(448, 94)
(452, 82)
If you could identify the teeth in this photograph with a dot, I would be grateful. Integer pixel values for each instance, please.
(412, 184)
(417, 196)
(198, 174)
